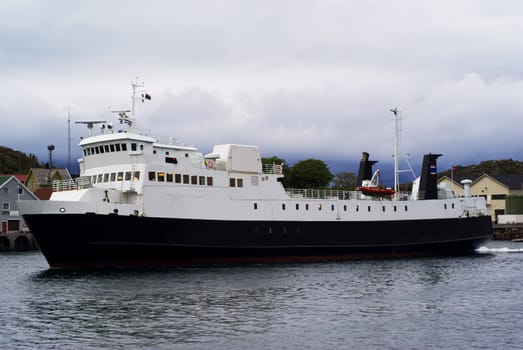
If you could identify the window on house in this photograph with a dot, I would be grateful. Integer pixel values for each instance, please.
(232, 182)
(297, 206)
(5, 206)
(283, 206)
(239, 182)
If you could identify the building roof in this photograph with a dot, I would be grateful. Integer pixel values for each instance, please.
(512, 181)
(42, 174)
(4, 179)
(20, 177)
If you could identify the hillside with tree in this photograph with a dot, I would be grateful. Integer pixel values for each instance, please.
(490, 167)
(16, 162)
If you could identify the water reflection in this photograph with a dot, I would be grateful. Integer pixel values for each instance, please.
(248, 305)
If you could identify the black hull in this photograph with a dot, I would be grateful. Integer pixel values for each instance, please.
(93, 241)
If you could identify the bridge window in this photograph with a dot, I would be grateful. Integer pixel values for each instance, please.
(209, 180)
(306, 206)
(106, 177)
(177, 178)
(111, 147)
(169, 177)
(239, 182)
(255, 206)
(283, 206)
(113, 176)
(185, 179)
(136, 175)
(117, 147)
(106, 148)
(133, 146)
(161, 177)
(232, 182)
(194, 180)
(120, 176)
(406, 208)
(297, 206)
(332, 207)
(152, 176)
(124, 147)
(201, 180)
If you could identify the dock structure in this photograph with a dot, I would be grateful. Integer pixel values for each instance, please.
(17, 241)
(512, 231)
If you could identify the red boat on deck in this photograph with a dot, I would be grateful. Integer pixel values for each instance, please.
(372, 187)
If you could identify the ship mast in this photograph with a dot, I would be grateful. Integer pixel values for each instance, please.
(397, 134)
(396, 119)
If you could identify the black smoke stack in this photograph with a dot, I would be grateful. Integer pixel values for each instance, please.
(365, 171)
(428, 183)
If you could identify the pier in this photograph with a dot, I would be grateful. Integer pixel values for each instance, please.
(17, 241)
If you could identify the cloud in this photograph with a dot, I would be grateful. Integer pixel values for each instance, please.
(299, 78)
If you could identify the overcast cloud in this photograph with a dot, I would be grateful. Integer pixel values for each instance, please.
(298, 78)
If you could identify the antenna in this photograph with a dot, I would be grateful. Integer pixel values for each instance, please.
(139, 94)
(397, 136)
(90, 124)
(69, 139)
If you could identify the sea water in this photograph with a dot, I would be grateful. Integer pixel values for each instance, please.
(468, 302)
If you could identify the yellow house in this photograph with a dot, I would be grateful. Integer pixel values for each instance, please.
(495, 189)
(40, 178)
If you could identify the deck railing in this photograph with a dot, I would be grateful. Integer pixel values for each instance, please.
(272, 168)
(72, 184)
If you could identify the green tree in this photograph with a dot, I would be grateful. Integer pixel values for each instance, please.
(310, 173)
(344, 181)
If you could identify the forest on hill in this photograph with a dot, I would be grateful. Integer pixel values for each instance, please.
(17, 162)
(490, 167)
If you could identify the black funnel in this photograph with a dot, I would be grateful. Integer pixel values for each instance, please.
(365, 171)
(428, 183)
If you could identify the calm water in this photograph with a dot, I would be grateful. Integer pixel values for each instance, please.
(464, 302)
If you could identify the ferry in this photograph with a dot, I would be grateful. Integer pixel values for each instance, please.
(139, 202)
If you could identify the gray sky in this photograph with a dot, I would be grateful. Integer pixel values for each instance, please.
(300, 79)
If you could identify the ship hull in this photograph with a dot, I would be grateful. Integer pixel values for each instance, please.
(101, 241)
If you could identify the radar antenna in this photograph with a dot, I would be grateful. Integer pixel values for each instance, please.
(90, 124)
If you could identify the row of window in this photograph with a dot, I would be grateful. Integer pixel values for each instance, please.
(117, 176)
(20, 190)
(357, 207)
(114, 147)
(187, 179)
(181, 178)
